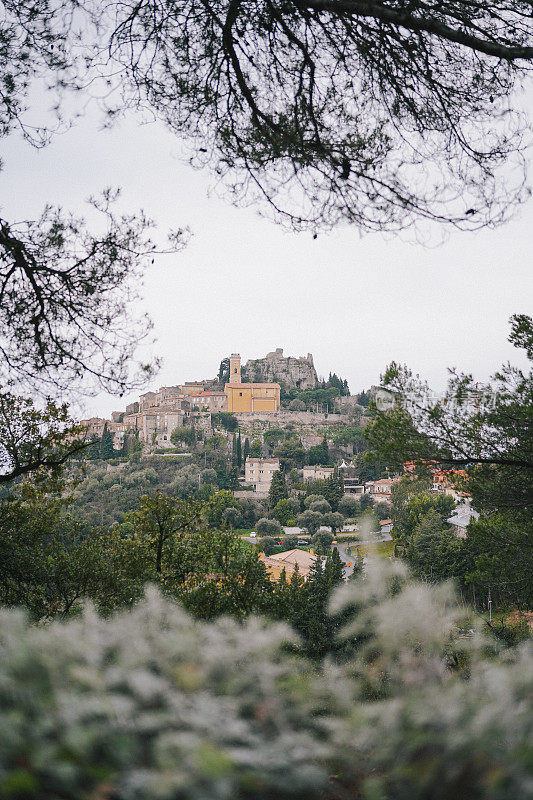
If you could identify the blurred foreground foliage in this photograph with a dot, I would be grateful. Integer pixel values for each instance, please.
(151, 703)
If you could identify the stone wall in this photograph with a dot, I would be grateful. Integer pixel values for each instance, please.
(310, 427)
(276, 419)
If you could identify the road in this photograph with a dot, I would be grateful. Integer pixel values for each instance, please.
(349, 558)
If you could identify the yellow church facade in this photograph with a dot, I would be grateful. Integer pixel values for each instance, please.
(250, 397)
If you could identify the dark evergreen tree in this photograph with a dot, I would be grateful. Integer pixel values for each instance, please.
(233, 479)
(318, 454)
(366, 502)
(357, 561)
(334, 489)
(223, 371)
(246, 450)
(93, 450)
(363, 399)
(334, 568)
(239, 452)
(278, 489)
(106, 444)
(313, 622)
(256, 449)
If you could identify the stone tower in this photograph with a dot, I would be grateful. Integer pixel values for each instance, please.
(235, 368)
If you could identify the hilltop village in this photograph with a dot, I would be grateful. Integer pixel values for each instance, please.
(272, 414)
(269, 386)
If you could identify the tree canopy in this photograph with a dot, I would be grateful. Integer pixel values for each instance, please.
(66, 295)
(372, 112)
(375, 112)
(35, 440)
(487, 429)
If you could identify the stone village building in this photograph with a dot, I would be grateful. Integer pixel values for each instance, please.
(258, 473)
(157, 414)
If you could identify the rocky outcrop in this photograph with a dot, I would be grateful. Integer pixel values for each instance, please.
(297, 373)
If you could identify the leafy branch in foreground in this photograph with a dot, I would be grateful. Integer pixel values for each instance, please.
(485, 428)
(487, 431)
(380, 114)
(66, 296)
(35, 440)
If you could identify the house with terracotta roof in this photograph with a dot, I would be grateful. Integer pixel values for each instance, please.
(288, 561)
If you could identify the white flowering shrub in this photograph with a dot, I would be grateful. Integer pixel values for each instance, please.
(438, 713)
(153, 705)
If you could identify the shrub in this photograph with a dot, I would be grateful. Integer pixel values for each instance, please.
(208, 477)
(312, 498)
(224, 419)
(334, 520)
(365, 502)
(268, 545)
(322, 540)
(322, 506)
(349, 506)
(126, 706)
(232, 517)
(297, 405)
(282, 511)
(268, 527)
(151, 703)
(290, 542)
(310, 520)
(184, 435)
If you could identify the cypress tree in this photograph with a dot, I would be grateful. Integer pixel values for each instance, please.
(106, 444)
(315, 625)
(233, 479)
(239, 452)
(278, 489)
(334, 489)
(246, 450)
(333, 569)
(93, 451)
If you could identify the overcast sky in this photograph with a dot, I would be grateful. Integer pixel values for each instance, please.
(245, 285)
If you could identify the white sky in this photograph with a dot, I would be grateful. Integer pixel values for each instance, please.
(245, 285)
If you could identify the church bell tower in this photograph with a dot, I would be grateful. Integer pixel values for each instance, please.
(235, 368)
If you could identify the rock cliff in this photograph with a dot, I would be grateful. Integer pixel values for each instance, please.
(275, 367)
